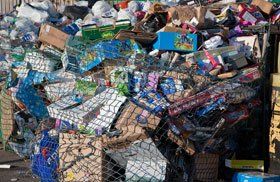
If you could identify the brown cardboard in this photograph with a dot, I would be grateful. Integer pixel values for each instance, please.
(200, 13)
(81, 158)
(157, 8)
(176, 75)
(188, 147)
(182, 13)
(265, 6)
(53, 36)
(174, 29)
(275, 80)
(141, 37)
(7, 119)
(215, 71)
(227, 75)
(129, 134)
(180, 95)
(274, 136)
(110, 65)
(132, 112)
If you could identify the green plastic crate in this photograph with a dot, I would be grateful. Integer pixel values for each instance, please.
(93, 32)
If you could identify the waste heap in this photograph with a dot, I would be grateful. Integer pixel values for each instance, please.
(134, 91)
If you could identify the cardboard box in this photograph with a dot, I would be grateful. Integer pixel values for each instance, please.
(135, 115)
(173, 41)
(93, 32)
(248, 45)
(265, 6)
(53, 36)
(81, 158)
(255, 177)
(97, 112)
(245, 164)
(142, 161)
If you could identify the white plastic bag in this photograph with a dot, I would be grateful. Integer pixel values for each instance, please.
(81, 3)
(125, 14)
(33, 14)
(25, 25)
(133, 6)
(45, 5)
(100, 7)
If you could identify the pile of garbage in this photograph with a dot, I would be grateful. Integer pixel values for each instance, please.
(134, 91)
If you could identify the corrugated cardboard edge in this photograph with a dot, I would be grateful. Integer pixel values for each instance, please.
(275, 80)
(7, 121)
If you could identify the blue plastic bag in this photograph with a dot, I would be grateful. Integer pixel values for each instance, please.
(45, 163)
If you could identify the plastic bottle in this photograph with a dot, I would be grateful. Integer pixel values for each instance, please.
(29, 37)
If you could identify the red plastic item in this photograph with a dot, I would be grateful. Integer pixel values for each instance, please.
(123, 4)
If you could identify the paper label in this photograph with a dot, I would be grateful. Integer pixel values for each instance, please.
(248, 17)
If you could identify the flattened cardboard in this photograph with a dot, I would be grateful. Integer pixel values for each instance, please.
(81, 158)
(174, 29)
(132, 114)
(227, 75)
(53, 36)
(247, 44)
(274, 136)
(176, 75)
(182, 13)
(189, 148)
(141, 37)
(180, 95)
(7, 119)
(265, 6)
(129, 134)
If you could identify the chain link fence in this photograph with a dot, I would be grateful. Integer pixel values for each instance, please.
(108, 111)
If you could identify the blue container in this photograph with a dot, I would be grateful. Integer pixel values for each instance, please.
(255, 177)
(173, 41)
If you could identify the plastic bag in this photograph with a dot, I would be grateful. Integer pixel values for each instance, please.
(35, 15)
(45, 5)
(101, 7)
(75, 12)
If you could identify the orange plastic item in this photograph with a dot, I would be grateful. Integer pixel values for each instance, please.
(123, 4)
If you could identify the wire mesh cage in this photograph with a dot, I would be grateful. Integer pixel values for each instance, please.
(108, 111)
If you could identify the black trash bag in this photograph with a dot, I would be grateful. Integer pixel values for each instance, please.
(75, 12)
(230, 20)
(155, 22)
(91, 3)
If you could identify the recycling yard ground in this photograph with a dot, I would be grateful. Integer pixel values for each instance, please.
(19, 171)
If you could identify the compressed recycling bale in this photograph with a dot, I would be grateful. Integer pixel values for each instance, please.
(7, 111)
